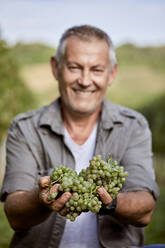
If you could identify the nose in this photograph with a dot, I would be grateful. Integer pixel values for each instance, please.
(85, 79)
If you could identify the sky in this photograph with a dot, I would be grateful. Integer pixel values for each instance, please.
(141, 22)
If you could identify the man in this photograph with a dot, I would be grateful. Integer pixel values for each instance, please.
(70, 131)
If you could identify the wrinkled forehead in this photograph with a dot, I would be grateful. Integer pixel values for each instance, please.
(86, 52)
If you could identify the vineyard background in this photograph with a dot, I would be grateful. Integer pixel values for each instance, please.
(27, 83)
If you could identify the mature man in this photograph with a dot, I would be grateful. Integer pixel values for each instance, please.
(70, 131)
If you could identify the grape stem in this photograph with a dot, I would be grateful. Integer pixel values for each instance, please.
(110, 158)
(52, 183)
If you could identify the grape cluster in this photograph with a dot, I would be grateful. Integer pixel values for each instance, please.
(84, 185)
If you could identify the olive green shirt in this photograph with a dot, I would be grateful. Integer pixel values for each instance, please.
(35, 145)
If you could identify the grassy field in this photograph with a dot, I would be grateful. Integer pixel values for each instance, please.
(39, 79)
(134, 86)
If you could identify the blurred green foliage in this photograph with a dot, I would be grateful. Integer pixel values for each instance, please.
(5, 229)
(154, 110)
(130, 55)
(14, 96)
(32, 53)
(155, 113)
(155, 232)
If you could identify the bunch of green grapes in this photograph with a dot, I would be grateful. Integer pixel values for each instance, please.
(108, 174)
(82, 202)
(83, 192)
(84, 186)
(64, 176)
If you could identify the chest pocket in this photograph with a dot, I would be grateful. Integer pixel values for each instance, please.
(114, 141)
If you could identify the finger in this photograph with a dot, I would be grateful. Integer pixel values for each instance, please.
(104, 196)
(53, 192)
(43, 195)
(58, 204)
(54, 188)
(44, 181)
(46, 194)
(63, 211)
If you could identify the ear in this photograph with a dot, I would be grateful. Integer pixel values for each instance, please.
(112, 75)
(54, 66)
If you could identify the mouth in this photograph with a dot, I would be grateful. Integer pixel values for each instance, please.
(83, 93)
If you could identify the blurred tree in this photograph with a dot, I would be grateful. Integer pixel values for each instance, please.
(155, 114)
(131, 55)
(14, 96)
(32, 53)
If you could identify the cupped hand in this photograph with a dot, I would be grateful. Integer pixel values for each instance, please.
(57, 205)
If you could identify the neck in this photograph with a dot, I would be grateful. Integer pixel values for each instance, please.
(80, 126)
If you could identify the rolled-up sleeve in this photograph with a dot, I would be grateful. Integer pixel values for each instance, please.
(138, 160)
(21, 167)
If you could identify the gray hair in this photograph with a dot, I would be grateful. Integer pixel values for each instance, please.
(86, 33)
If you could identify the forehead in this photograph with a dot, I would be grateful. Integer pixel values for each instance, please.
(92, 49)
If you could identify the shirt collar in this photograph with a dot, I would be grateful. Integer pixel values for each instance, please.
(51, 116)
(110, 115)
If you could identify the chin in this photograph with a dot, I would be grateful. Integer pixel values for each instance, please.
(83, 110)
(80, 107)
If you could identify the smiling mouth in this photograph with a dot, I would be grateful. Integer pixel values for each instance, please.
(83, 93)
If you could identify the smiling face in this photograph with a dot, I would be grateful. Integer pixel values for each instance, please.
(83, 75)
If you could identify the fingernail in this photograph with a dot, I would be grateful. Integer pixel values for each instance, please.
(67, 195)
(100, 190)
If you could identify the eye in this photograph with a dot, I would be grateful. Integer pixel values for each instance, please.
(98, 70)
(73, 68)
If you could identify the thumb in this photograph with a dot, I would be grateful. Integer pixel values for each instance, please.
(104, 196)
(44, 181)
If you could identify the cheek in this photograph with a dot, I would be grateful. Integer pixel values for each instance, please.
(102, 84)
(102, 81)
(69, 77)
